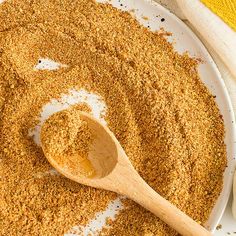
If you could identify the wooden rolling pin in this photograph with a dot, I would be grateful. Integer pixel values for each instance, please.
(217, 33)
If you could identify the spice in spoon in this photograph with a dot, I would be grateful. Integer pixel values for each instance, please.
(67, 138)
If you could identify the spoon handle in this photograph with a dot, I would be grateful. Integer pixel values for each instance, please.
(143, 194)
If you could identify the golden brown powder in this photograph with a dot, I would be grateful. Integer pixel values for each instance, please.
(66, 139)
(157, 107)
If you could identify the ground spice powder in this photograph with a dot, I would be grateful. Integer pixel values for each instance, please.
(160, 111)
(67, 140)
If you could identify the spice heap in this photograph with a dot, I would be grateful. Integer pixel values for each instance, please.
(66, 139)
(157, 107)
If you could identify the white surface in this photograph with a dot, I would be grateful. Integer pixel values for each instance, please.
(172, 5)
(46, 63)
(227, 222)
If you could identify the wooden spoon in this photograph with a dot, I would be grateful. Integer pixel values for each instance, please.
(116, 173)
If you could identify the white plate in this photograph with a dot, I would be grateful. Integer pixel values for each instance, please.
(185, 40)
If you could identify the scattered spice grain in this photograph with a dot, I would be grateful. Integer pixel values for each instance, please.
(157, 106)
(145, 18)
(218, 227)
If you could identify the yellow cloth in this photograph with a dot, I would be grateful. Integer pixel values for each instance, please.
(225, 9)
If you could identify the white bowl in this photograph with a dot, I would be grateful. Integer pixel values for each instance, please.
(185, 40)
